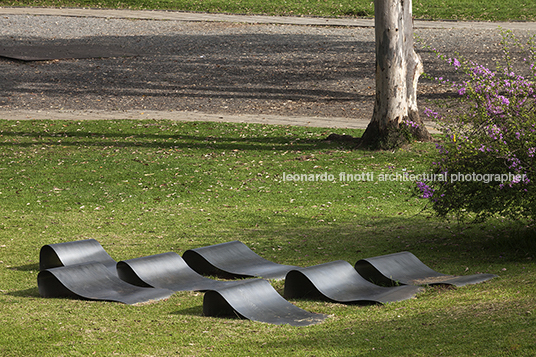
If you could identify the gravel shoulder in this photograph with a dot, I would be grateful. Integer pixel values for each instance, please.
(233, 71)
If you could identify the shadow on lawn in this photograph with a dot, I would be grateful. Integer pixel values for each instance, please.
(26, 267)
(442, 330)
(443, 246)
(26, 293)
(111, 140)
(190, 311)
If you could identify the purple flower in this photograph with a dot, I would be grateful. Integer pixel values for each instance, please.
(504, 100)
(426, 191)
(410, 123)
(430, 113)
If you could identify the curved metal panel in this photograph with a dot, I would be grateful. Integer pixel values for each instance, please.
(338, 281)
(95, 282)
(233, 260)
(77, 252)
(406, 268)
(257, 300)
(166, 270)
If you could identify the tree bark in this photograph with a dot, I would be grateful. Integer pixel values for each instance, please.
(396, 115)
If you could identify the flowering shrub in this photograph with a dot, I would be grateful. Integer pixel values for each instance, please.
(489, 146)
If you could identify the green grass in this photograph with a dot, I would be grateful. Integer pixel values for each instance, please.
(491, 10)
(148, 187)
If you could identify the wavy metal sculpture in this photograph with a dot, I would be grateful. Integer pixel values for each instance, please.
(406, 268)
(166, 270)
(339, 282)
(233, 260)
(76, 252)
(251, 299)
(83, 269)
(95, 282)
(257, 300)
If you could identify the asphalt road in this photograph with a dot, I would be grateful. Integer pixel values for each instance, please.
(193, 66)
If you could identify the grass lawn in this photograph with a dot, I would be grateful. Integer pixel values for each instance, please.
(490, 10)
(148, 187)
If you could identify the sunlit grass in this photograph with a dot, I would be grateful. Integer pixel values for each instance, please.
(494, 10)
(148, 187)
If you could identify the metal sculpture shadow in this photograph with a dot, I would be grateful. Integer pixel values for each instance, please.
(168, 271)
(405, 268)
(339, 282)
(257, 300)
(94, 281)
(233, 260)
(77, 252)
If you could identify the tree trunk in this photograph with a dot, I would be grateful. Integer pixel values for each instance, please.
(396, 116)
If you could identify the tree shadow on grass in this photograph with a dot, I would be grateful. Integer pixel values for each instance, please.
(405, 333)
(114, 139)
(439, 244)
